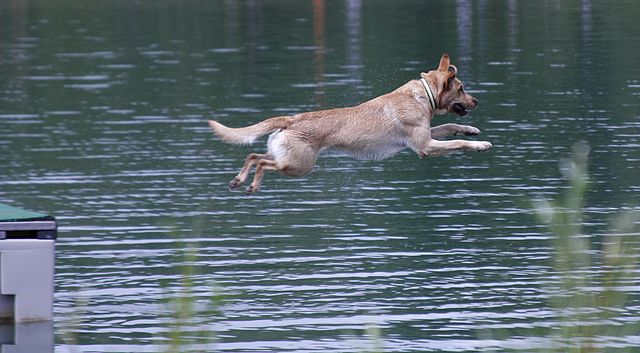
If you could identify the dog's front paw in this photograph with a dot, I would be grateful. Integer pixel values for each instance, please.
(470, 130)
(482, 146)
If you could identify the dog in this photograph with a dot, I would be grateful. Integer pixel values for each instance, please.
(376, 129)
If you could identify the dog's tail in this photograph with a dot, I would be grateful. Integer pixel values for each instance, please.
(247, 135)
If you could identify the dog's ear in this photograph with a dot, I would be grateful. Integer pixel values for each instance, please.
(445, 62)
(451, 75)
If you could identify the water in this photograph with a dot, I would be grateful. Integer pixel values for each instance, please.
(103, 109)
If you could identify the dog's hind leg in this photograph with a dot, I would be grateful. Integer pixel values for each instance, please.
(251, 160)
(263, 165)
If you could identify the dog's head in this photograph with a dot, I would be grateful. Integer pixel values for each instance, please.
(448, 90)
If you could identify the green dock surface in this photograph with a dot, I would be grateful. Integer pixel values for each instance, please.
(13, 214)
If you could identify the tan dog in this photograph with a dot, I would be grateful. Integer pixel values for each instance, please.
(376, 129)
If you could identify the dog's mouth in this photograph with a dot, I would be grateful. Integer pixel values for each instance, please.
(460, 110)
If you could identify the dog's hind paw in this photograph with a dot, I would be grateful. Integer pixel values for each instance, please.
(251, 190)
(235, 183)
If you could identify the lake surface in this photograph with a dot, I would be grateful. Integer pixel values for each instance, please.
(103, 111)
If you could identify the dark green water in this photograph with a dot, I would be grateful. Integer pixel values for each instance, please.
(103, 110)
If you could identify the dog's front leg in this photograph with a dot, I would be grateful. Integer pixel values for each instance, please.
(437, 148)
(453, 129)
(421, 142)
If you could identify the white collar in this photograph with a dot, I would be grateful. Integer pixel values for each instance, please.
(432, 99)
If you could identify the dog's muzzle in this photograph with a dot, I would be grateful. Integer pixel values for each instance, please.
(462, 110)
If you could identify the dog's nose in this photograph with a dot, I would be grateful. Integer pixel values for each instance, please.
(475, 102)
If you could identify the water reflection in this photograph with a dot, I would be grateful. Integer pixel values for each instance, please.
(319, 44)
(464, 26)
(353, 27)
(512, 27)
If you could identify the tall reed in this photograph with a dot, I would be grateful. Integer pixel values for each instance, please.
(592, 287)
